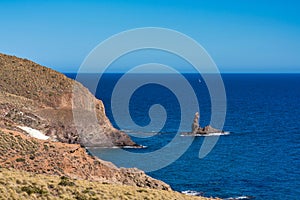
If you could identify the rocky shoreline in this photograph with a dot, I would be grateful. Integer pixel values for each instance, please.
(36, 101)
(55, 158)
(38, 134)
(40, 98)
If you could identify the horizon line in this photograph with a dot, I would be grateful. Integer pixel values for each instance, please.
(185, 73)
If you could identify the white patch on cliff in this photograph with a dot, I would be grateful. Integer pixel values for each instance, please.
(34, 133)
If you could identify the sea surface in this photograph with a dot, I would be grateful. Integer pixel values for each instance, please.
(260, 158)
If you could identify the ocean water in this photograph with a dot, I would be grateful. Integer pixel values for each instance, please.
(260, 158)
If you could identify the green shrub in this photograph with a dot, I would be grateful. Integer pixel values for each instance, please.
(89, 191)
(142, 190)
(79, 196)
(33, 190)
(20, 159)
(64, 181)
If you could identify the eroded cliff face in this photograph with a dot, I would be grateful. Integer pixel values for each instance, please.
(37, 97)
(46, 99)
(55, 158)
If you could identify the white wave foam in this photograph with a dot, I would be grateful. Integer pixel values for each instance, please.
(239, 198)
(134, 131)
(117, 147)
(214, 134)
(206, 135)
(127, 130)
(133, 147)
(192, 193)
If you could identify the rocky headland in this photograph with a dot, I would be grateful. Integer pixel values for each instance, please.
(40, 98)
(42, 154)
(25, 153)
(34, 101)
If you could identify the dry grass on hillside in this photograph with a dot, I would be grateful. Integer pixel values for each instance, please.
(23, 185)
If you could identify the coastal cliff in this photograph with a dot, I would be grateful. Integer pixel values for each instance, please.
(40, 98)
(42, 154)
(35, 104)
(25, 153)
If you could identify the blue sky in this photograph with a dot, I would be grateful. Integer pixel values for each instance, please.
(240, 36)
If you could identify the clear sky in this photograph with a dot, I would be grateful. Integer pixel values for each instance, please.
(240, 35)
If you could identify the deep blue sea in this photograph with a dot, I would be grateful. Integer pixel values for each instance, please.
(259, 158)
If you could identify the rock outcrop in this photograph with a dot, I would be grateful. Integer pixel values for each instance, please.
(41, 98)
(25, 153)
(38, 99)
(197, 130)
(195, 125)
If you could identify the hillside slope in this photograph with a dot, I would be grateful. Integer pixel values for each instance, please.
(35, 101)
(38, 97)
(23, 185)
(55, 158)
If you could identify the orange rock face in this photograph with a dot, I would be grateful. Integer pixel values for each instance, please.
(42, 99)
(55, 158)
(46, 100)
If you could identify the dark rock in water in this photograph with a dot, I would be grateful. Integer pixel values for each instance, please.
(197, 130)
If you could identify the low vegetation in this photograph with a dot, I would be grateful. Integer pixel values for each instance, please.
(15, 184)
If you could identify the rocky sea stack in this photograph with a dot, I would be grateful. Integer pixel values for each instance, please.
(198, 130)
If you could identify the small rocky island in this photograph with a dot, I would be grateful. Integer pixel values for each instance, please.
(198, 130)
